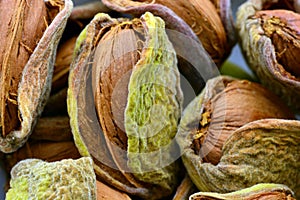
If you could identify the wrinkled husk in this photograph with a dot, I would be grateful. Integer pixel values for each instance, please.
(262, 151)
(259, 191)
(92, 141)
(21, 31)
(260, 52)
(65, 179)
(210, 21)
(35, 83)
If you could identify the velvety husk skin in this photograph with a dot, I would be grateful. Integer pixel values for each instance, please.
(38, 73)
(262, 151)
(153, 109)
(261, 56)
(256, 192)
(88, 137)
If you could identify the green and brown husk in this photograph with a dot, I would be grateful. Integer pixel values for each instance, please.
(65, 179)
(110, 55)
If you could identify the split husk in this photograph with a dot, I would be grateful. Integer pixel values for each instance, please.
(32, 30)
(129, 66)
(261, 151)
(270, 39)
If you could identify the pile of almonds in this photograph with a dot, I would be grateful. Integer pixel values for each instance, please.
(123, 99)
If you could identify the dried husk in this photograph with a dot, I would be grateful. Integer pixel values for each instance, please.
(269, 37)
(210, 21)
(257, 192)
(98, 65)
(31, 36)
(16, 51)
(261, 151)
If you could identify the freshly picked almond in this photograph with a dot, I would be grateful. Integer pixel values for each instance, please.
(30, 32)
(124, 103)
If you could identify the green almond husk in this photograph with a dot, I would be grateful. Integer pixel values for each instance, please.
(65, 179)
(262, 151)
